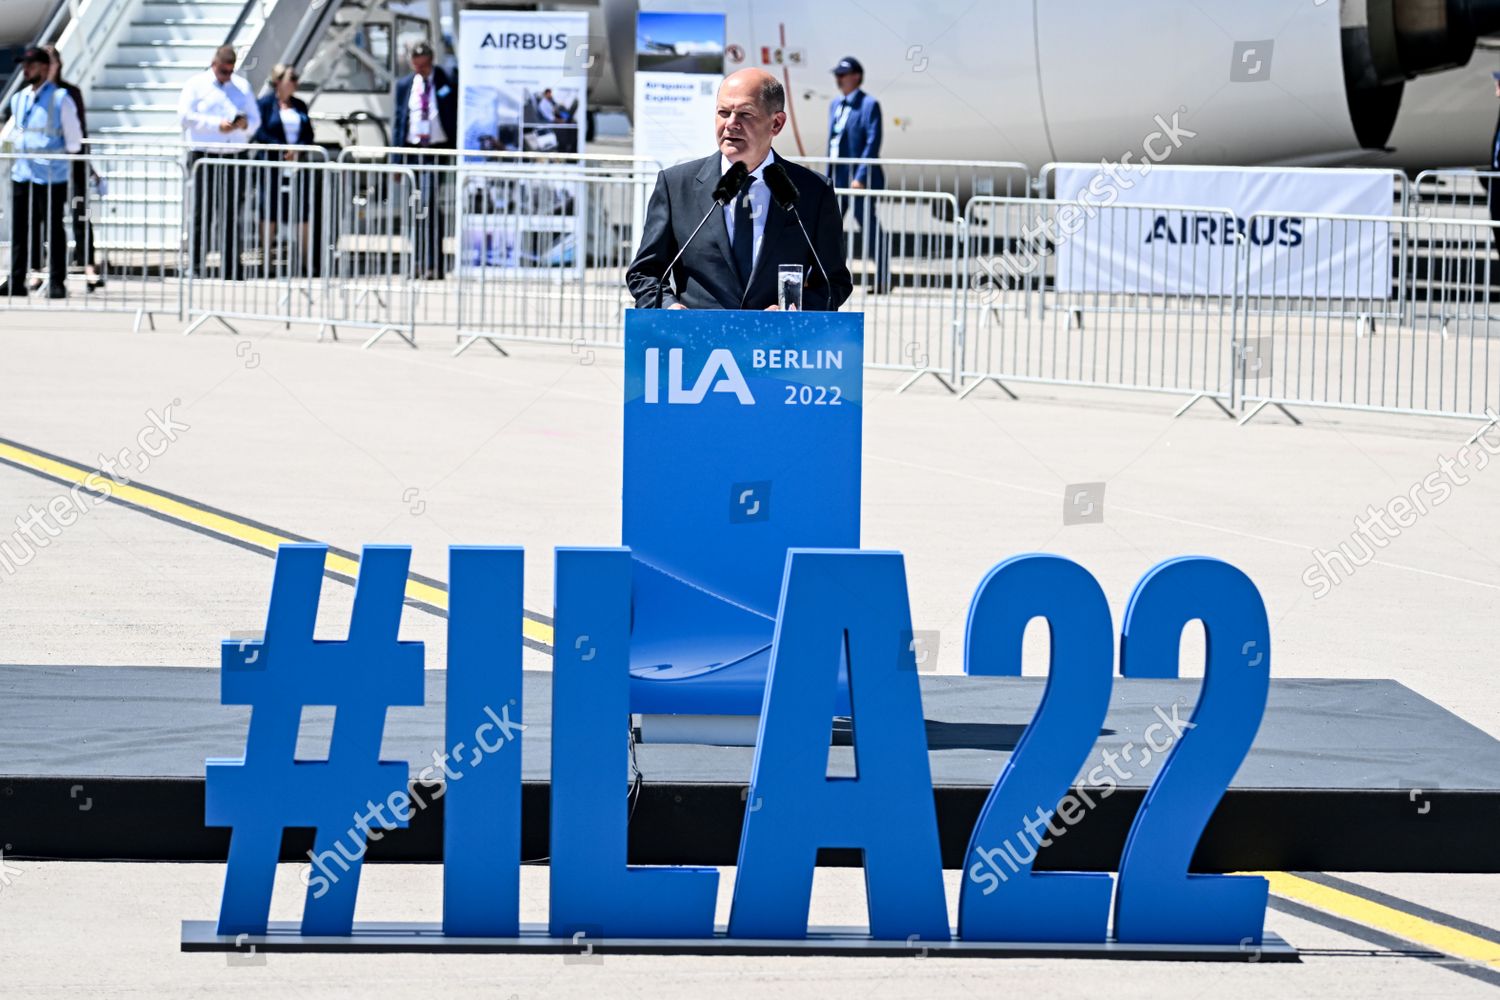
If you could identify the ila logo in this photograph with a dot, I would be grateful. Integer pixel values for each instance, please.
(720, 373)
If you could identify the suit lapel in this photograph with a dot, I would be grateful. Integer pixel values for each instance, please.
(717, 231)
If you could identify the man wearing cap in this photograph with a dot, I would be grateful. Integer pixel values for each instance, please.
(426, 117)
(43, 126)
(219, 114)
(734, 260)
(854, 134)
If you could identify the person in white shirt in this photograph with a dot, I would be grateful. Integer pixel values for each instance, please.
(218, 113)
(43, 127)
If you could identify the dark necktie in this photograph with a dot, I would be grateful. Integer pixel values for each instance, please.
(744, 235)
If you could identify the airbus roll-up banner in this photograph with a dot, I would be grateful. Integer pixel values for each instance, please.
(523, 81)
(1172, 250)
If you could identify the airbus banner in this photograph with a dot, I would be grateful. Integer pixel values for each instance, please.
(523, 88)
(1125, 229)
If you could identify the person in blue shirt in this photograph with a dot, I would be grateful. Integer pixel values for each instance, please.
(854, 133)
(43, 128)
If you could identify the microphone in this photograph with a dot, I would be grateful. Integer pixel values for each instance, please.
(785, 194)
(724, 192)
(730, 184)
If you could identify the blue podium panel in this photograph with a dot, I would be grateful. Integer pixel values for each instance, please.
(742, 440)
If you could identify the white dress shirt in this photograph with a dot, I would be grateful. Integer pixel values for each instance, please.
(205, 103)
(434, 127)
(760, 203)
(840, 120)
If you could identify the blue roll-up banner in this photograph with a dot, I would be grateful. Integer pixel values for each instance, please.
(742, 440)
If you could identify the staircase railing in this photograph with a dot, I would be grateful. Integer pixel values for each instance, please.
(286, 30)
(90, 37)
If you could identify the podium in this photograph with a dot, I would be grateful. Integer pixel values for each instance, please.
(742, 439)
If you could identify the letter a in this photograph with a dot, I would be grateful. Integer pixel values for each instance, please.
(837, 604)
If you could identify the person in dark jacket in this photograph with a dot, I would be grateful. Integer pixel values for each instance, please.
(84, 254)
(426, 117)
(854, 132)
(287, 196)
(734, 262)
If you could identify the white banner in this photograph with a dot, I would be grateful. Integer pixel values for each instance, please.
(523, 86)
(679, 63)
(1186, 252)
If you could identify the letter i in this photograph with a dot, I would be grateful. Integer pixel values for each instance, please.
(653, 374)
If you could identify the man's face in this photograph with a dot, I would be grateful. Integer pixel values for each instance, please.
(741, 125)
(35, 71)
(848, 82)
(223, 69)
(421, 65)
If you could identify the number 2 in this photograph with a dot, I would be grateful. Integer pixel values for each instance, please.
(1158, 900)
(1001, 898)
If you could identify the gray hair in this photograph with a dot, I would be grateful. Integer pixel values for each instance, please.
(772, 96)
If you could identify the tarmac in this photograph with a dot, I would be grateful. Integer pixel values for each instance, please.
(391, 445)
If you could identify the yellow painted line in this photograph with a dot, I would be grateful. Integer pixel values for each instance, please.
(1384, 918)
(96, 482)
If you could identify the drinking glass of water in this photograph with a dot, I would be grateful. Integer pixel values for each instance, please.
(789, 286)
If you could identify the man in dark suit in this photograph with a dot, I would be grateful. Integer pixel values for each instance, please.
(426, 117)
(854, 133)
(733, 263)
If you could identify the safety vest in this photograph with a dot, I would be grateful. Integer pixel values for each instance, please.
(38, 129)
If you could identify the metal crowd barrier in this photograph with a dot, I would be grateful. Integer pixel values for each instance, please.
(1452, 194)
(442, 176)
(903, 248)
(1389, 313)
(519, 158)
(1309, 341)
(1061, 293)
(543, 255)
(960, 178)
(64, 229)
(294, 241)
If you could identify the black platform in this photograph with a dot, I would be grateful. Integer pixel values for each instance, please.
(107, 763)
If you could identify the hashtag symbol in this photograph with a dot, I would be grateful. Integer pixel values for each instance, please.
(267, 790)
